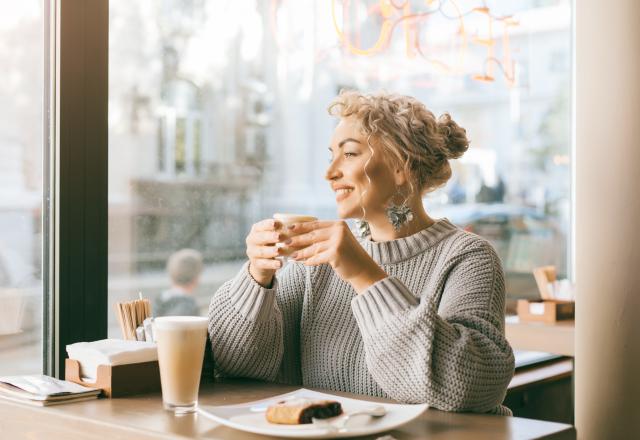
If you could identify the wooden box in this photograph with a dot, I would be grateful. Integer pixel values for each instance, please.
(545, 310)
(119, 380)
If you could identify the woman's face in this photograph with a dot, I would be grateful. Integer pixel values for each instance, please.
(349, 154)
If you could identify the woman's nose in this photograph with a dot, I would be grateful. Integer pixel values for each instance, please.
(333, 171)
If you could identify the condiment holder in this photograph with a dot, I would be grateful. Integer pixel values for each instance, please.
(119, 380)
(549, 309)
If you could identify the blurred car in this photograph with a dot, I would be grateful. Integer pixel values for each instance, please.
(523, 237)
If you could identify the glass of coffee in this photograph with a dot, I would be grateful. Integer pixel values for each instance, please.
(286, 220)
(181, 341)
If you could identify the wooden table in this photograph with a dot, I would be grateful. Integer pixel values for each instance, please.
(142, 417)
(557, 338)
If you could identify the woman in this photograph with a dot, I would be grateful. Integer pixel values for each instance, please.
(414, 311)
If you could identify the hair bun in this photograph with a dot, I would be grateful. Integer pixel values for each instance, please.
(455, 137)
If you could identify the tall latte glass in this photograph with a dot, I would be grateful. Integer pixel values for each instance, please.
(181, 341)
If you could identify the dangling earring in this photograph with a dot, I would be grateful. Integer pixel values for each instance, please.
(362, 228)
(399, 215)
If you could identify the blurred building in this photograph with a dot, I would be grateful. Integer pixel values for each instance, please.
(217, 118)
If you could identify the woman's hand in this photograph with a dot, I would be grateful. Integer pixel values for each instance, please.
(333, 243)
(262, 250)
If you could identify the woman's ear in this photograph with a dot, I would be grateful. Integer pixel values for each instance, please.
(399, 177)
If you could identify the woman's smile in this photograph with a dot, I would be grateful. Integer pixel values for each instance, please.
(342, 192)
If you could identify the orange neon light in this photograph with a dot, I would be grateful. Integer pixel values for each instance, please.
(383, 38)
(391, 13)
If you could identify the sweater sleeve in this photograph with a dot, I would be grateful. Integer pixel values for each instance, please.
(454, 357)
(249, 325)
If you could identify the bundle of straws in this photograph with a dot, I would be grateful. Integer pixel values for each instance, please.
(131, 315)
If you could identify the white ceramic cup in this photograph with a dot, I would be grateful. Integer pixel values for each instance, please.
(286, 220)
(181, 342)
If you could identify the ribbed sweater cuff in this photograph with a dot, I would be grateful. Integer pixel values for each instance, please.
(381, 302)
(249, 298)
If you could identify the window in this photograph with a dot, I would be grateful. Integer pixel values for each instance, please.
(217, 118)
(21, 187)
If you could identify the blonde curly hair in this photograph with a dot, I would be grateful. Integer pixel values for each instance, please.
(409, 132)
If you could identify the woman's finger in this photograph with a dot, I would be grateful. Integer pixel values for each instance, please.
(267, 224)
(257, 252)
(309, 238)
(308, 252)
(262, 238)
(262, 263)
(301, 228)
(318, 258)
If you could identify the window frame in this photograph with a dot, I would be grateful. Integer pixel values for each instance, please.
(75, 216)
(75, 200)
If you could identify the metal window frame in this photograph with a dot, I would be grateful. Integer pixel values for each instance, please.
(76, 169)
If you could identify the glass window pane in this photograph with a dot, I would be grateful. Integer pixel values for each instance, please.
(21, 186)
(218, 119)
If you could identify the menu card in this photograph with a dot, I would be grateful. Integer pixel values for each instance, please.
(41, 390)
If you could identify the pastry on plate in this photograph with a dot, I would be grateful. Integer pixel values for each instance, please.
(301, 411)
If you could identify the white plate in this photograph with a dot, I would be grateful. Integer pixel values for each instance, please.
(250, 417)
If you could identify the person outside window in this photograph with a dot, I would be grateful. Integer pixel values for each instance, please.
(184, 268)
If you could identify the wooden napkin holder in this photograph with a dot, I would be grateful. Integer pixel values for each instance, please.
(119, 380)
(546, 310)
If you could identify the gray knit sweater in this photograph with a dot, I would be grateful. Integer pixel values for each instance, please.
(432, 332)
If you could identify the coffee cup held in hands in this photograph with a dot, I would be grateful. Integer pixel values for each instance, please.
(287, 220)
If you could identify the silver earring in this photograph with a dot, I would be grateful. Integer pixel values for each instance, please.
(399, 215)
(362, 228)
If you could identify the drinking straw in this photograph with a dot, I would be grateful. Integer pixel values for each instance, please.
(117, 307)
(130, 321)
(136, 313)
(147, 309)
(127, 319)
(132, 314)
(140, 309)
(125, 332)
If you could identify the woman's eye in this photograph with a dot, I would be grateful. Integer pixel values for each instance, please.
(330, 159)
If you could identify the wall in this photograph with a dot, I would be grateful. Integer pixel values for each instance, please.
(607, 216)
